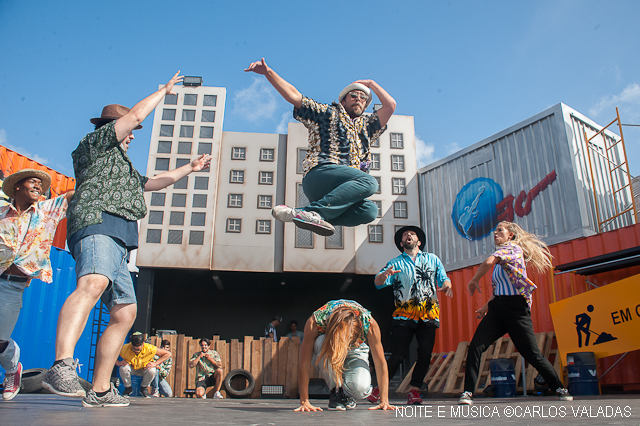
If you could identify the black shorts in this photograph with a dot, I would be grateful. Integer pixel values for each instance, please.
(208, 382)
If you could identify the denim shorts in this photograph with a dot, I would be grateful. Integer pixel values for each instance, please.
(101, 254)
(10, 304)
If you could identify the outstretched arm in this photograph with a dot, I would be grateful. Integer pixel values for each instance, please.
(375, 343)
(286, 89)
(388, 103)
(165, 179)
(381, 278)
(310, 335)
(125, 124)
(482, 270)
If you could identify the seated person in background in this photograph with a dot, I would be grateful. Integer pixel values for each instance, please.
(136, 358)
(208, 365)
(159, 382)
(293, 326)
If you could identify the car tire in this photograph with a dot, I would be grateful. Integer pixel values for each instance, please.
(239, 393)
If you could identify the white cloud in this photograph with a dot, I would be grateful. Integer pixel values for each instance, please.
(283, 127)
(628, 103)
(453, 148)
(256, 102)
(21, 150)
(425, 152)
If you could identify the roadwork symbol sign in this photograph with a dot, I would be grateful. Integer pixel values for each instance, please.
(605, 320)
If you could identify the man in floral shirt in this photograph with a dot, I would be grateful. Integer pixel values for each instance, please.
(27, 228)
(415, 277)
(336, 166)
(208, 365)
(102, 230)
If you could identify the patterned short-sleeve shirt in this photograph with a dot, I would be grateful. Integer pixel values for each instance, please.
(25, 239)
(204, 367)
(512, 262)
(323, 314)
(415, 287)
(106, 181)
(334, 137)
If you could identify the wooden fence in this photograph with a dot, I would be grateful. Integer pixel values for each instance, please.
(270, 363)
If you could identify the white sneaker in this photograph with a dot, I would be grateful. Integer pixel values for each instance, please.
(563, 394)
(466, 398)
(204, 396)
(313, 222)
(283, 213)
(217, 395)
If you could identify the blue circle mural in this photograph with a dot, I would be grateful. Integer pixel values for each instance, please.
(474, 213)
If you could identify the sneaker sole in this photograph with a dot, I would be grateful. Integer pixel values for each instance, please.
(336, 409)
(465, 402)
(313, 227)
(78, 394)
(414, 403)
(9, 396)
(86, 405)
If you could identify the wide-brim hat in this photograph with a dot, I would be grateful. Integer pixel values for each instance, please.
(110, 113)
(9, 184)
(356, 86)
(419, 232)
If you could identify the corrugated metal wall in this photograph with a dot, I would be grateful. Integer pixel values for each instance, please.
(535, 173)
(457, 315)
(11, 162)
(35, 331)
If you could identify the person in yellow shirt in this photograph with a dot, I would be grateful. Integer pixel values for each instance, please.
(136, 358)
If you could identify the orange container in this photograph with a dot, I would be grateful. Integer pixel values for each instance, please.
(11, 162)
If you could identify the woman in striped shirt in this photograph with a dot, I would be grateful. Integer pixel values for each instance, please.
(509, 309)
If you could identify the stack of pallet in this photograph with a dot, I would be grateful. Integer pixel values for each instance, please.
(269, 362)
(446, 371)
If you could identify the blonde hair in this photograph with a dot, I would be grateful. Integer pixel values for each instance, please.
(342, 331)
(535, 251)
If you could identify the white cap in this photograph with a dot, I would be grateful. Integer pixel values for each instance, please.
(355, 86)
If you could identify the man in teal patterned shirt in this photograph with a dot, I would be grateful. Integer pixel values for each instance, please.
(102, 230)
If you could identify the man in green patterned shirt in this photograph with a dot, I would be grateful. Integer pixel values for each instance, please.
(102, 230)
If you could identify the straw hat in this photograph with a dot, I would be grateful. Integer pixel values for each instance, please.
(9, 184)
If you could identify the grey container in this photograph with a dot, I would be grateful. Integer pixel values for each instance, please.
(536, 173)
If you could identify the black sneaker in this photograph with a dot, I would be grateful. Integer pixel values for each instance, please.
(145, 392)
(335, 401)
(127, 392)
(348, 402)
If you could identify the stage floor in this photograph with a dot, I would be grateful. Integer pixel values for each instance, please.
(52, 410)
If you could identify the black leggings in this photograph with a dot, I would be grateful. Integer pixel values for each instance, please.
(508, 314)
(402, 336)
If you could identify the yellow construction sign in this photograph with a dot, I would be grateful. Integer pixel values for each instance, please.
(605, 320)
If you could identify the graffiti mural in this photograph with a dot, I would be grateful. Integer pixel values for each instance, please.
(480, 206)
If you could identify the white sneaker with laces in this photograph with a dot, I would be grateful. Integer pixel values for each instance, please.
(466, 398)
(217, 395)
(283, 213)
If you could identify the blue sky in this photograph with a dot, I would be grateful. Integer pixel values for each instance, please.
(464, 69)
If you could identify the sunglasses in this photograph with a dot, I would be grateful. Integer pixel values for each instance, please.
(359, 95)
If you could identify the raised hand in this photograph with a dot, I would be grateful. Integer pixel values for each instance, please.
(259, 67)
(202, 162)
(177, 78)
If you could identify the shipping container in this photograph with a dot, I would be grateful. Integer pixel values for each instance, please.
(458, 318)
(11, 162)
(537, 173)
(35, 331)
